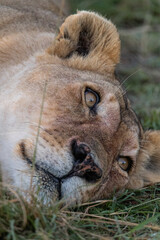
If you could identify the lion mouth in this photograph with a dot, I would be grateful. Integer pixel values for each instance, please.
(83, 167)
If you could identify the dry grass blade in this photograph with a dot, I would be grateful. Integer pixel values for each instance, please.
(92, 234)
(95, 202)
(95, 205)
(38, 132)
(138, 205)
(86, 232)
(113, 221)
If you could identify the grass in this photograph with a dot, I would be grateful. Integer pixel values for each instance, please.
(133, 214)
(124, 13)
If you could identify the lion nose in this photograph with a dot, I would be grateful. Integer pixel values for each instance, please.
(84, 166)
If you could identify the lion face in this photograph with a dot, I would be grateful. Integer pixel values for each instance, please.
(88, 137)
(75, 135)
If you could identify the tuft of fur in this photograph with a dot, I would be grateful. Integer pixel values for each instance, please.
(147, 171)
(88, 41)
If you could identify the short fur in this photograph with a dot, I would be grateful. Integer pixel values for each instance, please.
(44, 115)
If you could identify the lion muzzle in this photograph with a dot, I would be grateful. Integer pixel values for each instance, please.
(84, 165)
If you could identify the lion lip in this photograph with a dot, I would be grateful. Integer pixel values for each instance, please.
(57, 181)
(85, 168)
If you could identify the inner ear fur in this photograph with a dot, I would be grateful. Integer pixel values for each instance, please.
(147, 170)
(89, 42)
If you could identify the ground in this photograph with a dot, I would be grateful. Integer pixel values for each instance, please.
(134, 214)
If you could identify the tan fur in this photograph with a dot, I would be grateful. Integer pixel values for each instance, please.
(104, 45)
(148, 162)
(43, 82)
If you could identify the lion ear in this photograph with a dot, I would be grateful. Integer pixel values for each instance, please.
(88, 41)
(148, 162)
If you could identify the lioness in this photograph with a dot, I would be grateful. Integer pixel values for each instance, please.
(67, 129)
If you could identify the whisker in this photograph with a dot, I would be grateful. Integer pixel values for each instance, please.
(122, 83)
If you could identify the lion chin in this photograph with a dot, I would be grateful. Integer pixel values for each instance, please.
(67, 129)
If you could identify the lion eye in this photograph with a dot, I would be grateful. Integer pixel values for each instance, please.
(125, 163)
(91, 98)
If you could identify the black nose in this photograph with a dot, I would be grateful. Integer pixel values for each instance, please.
(79, 150)
(84, 166)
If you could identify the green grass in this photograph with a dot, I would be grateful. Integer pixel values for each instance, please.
(133, 214)
(144, 96)
(125, 13)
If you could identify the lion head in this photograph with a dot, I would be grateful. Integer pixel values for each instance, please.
(70, 130)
